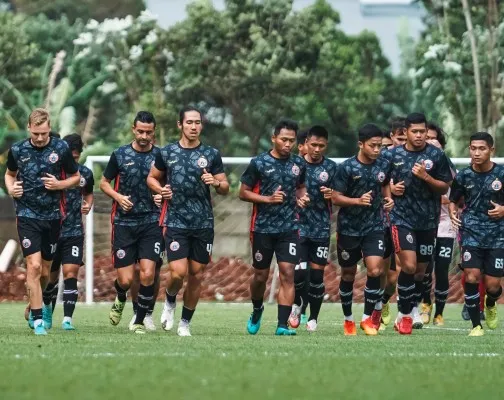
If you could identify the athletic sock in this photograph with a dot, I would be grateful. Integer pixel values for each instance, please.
(47, 293)
(406, 291)
(170, 298)
(491, 298)
(70, 295)
(299, 286)
(472, 298)
(121, 293)
(371, 294)
(187, 315)
(145, 295)
(283, 315)
(257, 310)
(441, 291)
(316, 292)
(346, 296)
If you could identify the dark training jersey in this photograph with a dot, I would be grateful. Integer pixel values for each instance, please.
(129, 169)
(478, 189)
(32, 163)
(315, 219)
(191, 204)
(72, 224)
(353, 180)
(265, 174)
(419, 207)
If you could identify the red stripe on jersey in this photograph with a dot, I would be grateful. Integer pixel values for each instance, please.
(114, 205)
(164, 210)
(395, 238)
(62, 198)
(254, 208)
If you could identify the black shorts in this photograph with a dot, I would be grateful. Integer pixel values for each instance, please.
(132, 243)
(284, 245)
(489, 261)
(314, 251)
(38, 235)
(193, 244)
(421, 242)
(444, 253)
(68, 251)
(351, 249)
(388, 244)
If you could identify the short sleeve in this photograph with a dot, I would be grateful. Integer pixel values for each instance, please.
(457, 189)
(302, 175)
(11, 162)
(442, 171)
(341, 179)
(251, 175)
(68, 163)
(217, 166)
(88, 188)
(112, 169)
(159, 163)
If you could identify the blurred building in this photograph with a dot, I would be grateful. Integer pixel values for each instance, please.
(384, 17)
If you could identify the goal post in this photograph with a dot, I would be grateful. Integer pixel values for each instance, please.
(231, 229)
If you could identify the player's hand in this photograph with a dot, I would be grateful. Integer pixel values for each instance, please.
(366, 199)
(85, 207)
(398, 188)
(456, 222)
(17, 190)
(125, 203)
(327, 192)
(497, 212)
(388, 203)
(419, 171)
(208, 179)
(158, 199)
(50, 182)
(166, 192)
(277, 197)
(435, 142)
(302, 202)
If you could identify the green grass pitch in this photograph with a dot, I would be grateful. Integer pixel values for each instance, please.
(221, 361)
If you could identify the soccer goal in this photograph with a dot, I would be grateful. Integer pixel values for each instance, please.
(228, 276)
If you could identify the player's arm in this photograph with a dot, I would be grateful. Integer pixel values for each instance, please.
(388, 202)
(218, 181)
(156, 179)
(456, 198)
(14, 187)
(71, 170)
(87, 196)
(111, 172)
(247, 194)
(440, 181)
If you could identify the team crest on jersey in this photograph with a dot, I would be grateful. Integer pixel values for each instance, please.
(467, 256)
(174, 246)
(428, 165)
(345, 255)
(295, 170)
(258, 256)
(53, 157)
(381, 176)
(409, 238)
(82, 182)
(324, 176)
(26, 243)
(496, 185)
(202, 162)
(120, 254)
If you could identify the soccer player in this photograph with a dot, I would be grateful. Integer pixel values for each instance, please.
(274, 183)
(39, 169)
(481, 225)
(421, 175)
(69, 251)
(315, 227)
(445, 240)
(136, 234)
(387, 141)
(189, 168)
(359, 184)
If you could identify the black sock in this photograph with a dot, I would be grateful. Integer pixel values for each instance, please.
(299, 286)
(346, 296)
(145, 295)
(386, 297)
(441, 290)
(371, 294)
(316, 292)
(472, 301)
(36, 313)
(187, 314)
(70, 295)
(491, 298)
(54, 297)
(135, 306)
(121, 293)
(427, 288)
(151, 307)
(304, 294)
(405, 291)
(171, 298)
(257, 310)
(47, 293)
(417, 294)
(283, 315)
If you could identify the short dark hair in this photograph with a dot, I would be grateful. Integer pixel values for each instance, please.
(74, 141)
(185, 109)
(441, 138)
(318, 131)
(396, 124)
(485, 136)
(415, 118)
(54, 134)
(301, 137)
(285, 124)
(368, 132)
(146, 117)
(387, 135)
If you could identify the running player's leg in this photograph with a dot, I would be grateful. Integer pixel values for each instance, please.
(426, 305)
(300, 276)
(50, 294)
(444, 251)
(318, 254)
(50, 236)
(135, 286)
(494, 264)
(472, 265)
(148, 320)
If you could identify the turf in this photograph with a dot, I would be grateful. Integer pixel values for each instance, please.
(221, 361)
